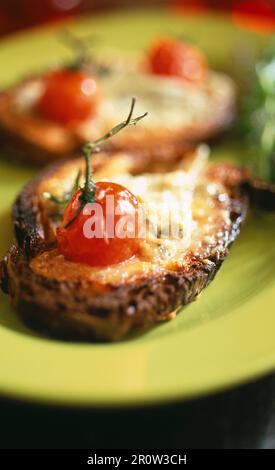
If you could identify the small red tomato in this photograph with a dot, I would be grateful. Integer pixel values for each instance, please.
(175, 58)
(106, 231)
(69, 96)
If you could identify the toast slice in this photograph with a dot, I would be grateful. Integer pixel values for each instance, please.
(178, 112)
(76, 301)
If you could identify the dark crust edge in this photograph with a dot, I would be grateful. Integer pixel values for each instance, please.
(18, 148)
(261, 193)
(28, 227)
(65, 310)
(68, 310)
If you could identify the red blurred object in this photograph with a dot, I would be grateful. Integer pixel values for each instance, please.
(168, 56)
(36, 11)
(70, 96)
(79, 241)
(19, 14)
(257, 15)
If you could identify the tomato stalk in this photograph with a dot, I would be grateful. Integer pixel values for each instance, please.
(88, 191)
(79, 45)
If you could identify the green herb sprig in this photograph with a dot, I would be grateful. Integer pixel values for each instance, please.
(82, 55)
(63, 201)
(257, 121)
(80, 47)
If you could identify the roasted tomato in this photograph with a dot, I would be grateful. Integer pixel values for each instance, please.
(171, 57)
(106, 231)
(69, 96)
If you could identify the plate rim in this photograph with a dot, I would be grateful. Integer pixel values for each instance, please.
(142, 399)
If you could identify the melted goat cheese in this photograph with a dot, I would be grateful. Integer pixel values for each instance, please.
(205, 223)
(167, 203)
(170, 102)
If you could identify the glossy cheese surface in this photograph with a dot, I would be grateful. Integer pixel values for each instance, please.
(191, 200)
(172, 104)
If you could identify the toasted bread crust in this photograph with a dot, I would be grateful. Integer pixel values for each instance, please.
(28, 226)
(73, 309)
(22, 141)
(67, 310)
(28, 138)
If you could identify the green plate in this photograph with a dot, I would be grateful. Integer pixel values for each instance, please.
(224, 338)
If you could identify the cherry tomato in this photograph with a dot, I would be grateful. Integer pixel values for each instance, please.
(69, 96)
(175, 58)
(106, 231)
